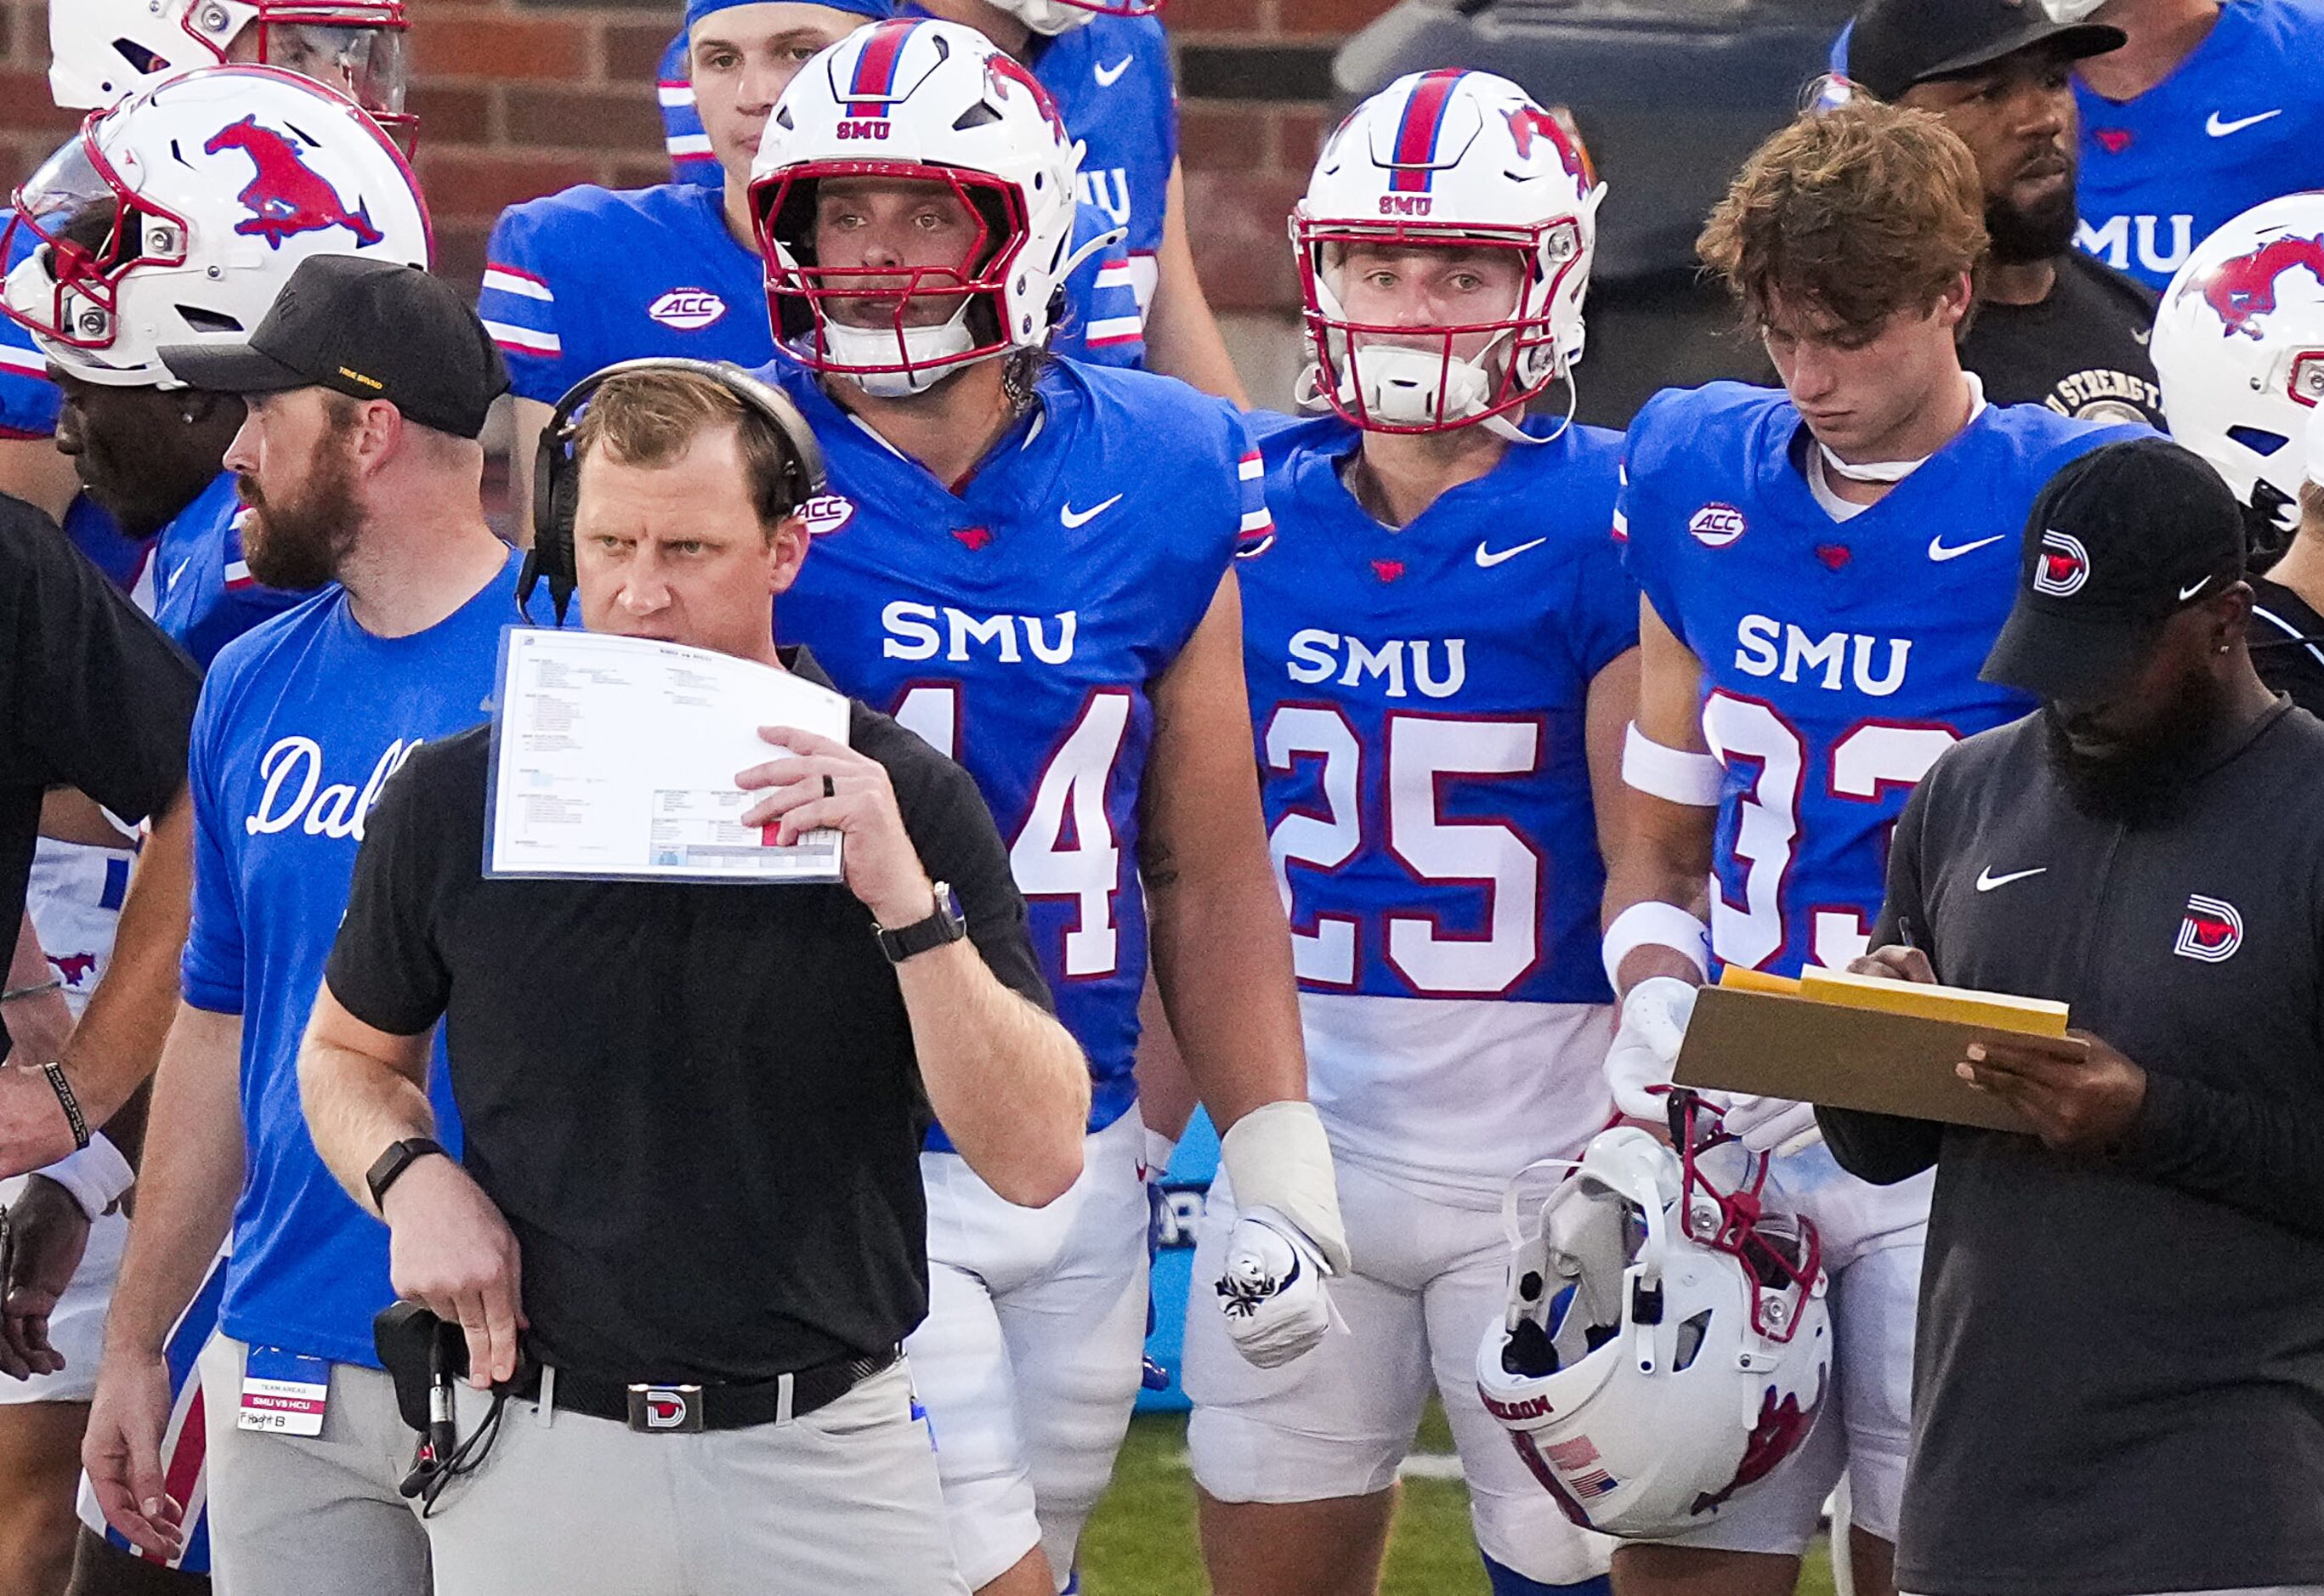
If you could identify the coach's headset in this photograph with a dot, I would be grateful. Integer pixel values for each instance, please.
(557, 477)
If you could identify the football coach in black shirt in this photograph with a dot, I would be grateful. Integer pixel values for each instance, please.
(2119, 1384)
(693, 1112)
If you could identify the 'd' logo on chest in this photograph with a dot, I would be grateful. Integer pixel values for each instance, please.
(2210, 930)
(687, 310)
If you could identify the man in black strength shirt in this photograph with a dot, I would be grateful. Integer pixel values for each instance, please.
(2053, 326)
(693, 1112)
(2120, 1375)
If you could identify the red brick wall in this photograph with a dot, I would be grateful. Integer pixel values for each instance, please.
(519, 99)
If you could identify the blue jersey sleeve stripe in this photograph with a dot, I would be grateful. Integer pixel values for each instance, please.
(1251, 472)
(515, 280)
(523, 340)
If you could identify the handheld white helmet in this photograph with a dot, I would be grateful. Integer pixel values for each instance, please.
(2240, 347)
(930, 102)
(101, 51)
(1050, 18)
(176, 217)
(1447, 159)
(1666, 1345)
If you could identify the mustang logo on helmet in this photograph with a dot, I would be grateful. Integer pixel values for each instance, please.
(285, 195)
(2244, 288)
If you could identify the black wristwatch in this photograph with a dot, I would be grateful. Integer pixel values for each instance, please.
(942, 926)
(389, 1167)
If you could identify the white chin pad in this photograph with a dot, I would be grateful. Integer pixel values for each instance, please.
(934, 353)
(1048, 18)
(1402, 386)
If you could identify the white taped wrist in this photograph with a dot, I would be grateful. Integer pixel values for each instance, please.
(1656, 924)
(1671, 774)
(1276, 1156)
(1159, 1150)
(96, 1175)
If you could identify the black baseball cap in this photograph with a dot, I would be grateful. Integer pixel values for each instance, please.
(2119, 541)
(1897, 43)
(368, 329)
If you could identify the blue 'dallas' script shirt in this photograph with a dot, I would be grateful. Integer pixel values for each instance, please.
(1419, 698)
(1020, 625)
(580, 280)
(205, 596)
(301, 722)
(1839, 658)
(2236, 123)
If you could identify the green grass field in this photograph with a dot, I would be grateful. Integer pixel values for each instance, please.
(1141, 1540)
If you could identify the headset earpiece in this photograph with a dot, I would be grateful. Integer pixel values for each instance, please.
(557, 480)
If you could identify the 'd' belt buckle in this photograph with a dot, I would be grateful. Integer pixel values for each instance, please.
(666, 1410)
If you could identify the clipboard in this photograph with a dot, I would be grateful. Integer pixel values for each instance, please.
(1763, 1041)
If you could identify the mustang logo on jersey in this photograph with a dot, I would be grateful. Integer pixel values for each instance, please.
(2210, 931)
(2244, 288)
(1315, 657)
(74, 968)
(336, 810)
(286, 195)
(1765, 646)
(687, 310)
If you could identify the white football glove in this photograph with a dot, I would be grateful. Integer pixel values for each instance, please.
(1646, 1046)
(1766, 1124)
(1272, 1289)
(1288, 1236)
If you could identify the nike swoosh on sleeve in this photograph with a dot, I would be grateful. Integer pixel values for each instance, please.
(2219, 129)
(1107, 77)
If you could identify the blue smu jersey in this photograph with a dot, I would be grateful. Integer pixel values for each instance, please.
(1111, 80)
(205, 596)
(1839, 658)
(300, 723)
(1020, 625)
(125, 561)
(577, 281)
(2237, 123)
(1420, 698)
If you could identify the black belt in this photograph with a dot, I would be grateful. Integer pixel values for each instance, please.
(681, 1409)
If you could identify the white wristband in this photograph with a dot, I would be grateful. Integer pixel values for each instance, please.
(1670, 774)
(96, 1175)
(1159, 1150)
(1660, 925)
(1276, 1156)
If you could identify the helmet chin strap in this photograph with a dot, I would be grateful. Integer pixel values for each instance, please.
(931, 353)
(1397, 386)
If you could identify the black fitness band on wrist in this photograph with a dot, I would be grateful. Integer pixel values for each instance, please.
(68, 1102)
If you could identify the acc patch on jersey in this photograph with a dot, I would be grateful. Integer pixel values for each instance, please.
(827, 512)
(687, 310)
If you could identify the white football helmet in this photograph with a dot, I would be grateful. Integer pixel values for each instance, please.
(101, 51)
(931, 102)
(1666, 1345)
(2239, 347)
(1050, 18)
(1447, 159)
(175, 216)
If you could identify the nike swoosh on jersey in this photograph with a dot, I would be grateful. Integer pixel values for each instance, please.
(1107, 77)
(1486, 559)
(1940, 551)
(1987, 880)
(2140, 336)
(1078, 518)
(2219, 129)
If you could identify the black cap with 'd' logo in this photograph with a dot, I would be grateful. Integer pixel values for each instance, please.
(2118, 541)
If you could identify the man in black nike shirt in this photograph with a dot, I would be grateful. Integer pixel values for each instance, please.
(2053, 326)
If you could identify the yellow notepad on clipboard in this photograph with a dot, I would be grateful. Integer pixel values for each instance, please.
(1853, 1041)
